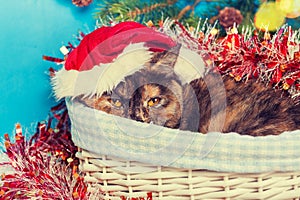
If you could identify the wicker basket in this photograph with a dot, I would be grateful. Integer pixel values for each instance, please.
(115, 176)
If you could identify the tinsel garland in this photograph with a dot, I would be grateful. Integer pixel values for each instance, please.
(46, 166)
(273, 59)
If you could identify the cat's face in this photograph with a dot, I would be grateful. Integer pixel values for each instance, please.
(154, 103)
(151, 102)
(152, 95)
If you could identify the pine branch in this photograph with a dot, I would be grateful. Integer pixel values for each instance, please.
(144, 12)
(134, 10)
(188, 8)
(148, 9)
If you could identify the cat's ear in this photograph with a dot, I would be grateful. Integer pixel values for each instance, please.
(165, 61)
(186, 63)
(170, 57)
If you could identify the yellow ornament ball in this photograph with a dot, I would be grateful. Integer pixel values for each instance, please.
(269, 17)
(291, 8)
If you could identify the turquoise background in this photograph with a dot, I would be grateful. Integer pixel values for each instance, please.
(30, 29)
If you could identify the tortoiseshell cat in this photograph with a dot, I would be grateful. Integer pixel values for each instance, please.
(156, 95)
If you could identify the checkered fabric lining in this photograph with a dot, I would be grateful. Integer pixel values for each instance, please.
(110, 135)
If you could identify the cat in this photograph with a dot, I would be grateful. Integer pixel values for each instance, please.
(155, 94)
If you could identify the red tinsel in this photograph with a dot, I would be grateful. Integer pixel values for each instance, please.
(273, 59)
(45, 166)
(52, 59)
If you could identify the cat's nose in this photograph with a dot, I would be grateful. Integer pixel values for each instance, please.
(141, 116)
(141, 119)
(145, 119)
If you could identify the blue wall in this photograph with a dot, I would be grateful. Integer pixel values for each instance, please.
(30, 29)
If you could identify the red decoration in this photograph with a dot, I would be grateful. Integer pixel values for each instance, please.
(45, 166)
(82, 3)
(275, 60)
(52, 59)
(149, 197)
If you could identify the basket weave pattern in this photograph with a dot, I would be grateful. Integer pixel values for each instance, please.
(118, 179)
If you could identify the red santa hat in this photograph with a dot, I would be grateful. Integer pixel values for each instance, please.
(107, 55)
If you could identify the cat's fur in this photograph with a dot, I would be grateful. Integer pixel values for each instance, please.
(251, 107)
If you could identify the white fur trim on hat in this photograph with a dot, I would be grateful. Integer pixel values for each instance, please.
(102, 77)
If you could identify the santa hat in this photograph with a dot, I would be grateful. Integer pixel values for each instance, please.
(107, 55)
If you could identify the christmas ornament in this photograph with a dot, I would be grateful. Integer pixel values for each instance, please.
(269, 17)
(230, 16)
(291, 8)
(82, 3)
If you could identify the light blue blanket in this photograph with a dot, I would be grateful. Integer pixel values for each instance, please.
(110, 135)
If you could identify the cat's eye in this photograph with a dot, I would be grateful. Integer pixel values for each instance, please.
(154, 101)
(116, 102)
